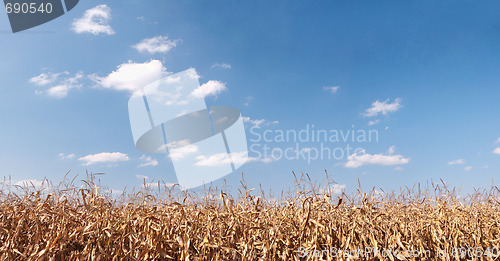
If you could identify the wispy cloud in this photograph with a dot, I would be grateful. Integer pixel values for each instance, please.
(259, 122)
(391, 150)
(62, 84)
(68, 156)
(221, 65)
(157, 44)
(384, 107)
(46, 78)
(497, 150)
(141, 177)
(457, 162)
(362, 158)
(148, 161)
(371, 123)
(94, 21)
(104, 157)
(210, 88)
(468, 168)
(248, 99)
(331, 89)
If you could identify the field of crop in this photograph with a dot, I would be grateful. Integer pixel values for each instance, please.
(309, 222)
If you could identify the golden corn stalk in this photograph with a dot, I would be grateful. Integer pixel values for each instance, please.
(308, 223)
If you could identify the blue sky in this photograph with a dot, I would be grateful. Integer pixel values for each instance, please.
(424, 75)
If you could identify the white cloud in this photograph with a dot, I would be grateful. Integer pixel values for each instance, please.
(334, 189)
(386, 127)
(141, 177)
(46, 78)
(32, 183)
(383, 107)
(457, 162)
(64, 156)
(357, 160)
(398, 168)
(253, 122)
(371, 123)
(220, 159)
(132, 76)
(62, 87)
(332, 89)
(157, 44)
(148, 161)
(260, 122)
(497, 150)
(222, 65)
(468, 168)
(104, 157)
(177, 154)
(94, 21)
(498, 140)
(210, 88)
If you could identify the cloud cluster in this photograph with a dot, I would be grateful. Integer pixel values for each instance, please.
(148, 161)
(61, 83)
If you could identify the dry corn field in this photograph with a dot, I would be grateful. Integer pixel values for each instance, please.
(69, 222)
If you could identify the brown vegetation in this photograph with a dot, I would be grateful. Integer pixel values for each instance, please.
(308, 223)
